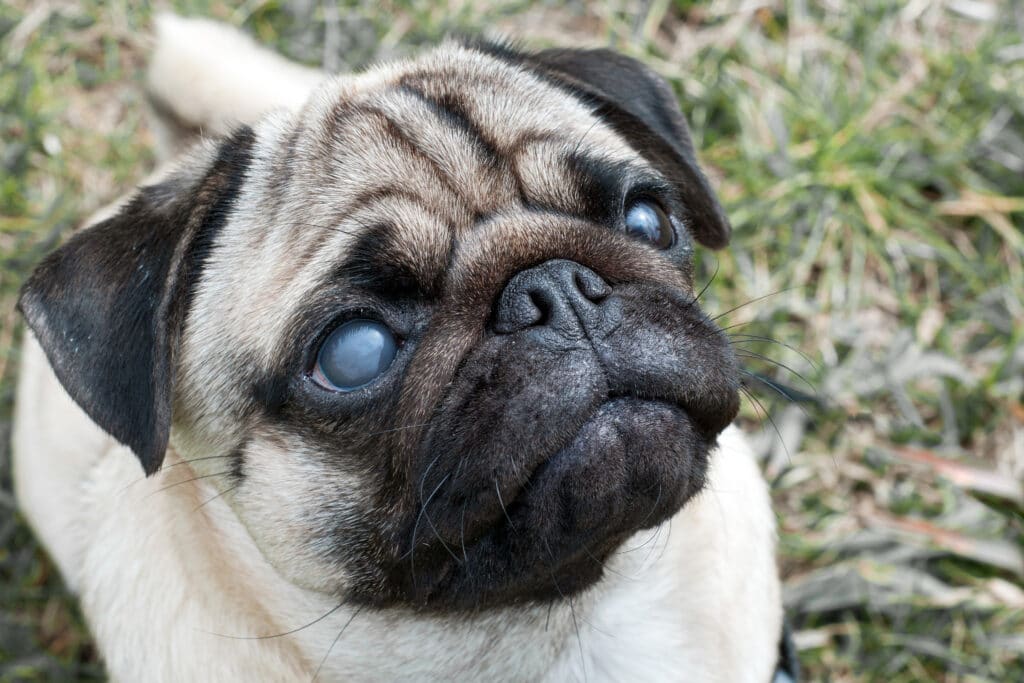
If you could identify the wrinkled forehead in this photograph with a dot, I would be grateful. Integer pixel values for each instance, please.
(411, 157)
(458, 125)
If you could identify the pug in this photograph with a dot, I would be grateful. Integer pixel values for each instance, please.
(400, 375)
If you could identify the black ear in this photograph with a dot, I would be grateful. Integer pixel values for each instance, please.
(641, 107)
(108, 306)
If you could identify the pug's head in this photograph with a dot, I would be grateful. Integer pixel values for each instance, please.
(435, 335)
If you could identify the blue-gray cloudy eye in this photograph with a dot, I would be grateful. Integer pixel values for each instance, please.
(354, 355)
(646, 220)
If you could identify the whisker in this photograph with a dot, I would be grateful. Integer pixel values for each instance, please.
(752, 301)
(503, 508)
(651, 537)
(423, 510)
(316, 673)
(164, 468)
(423, 479)
(789, 456)
(668, 540)
(604, 565)
(747, 353)
(286, 633)
(751, 338)
(572, 607)
(713, 276)
(437, 534)
(657, 499)
(579, 639)
(771, 385)
(462, 532)
(513, 467)
(213, 498)
(423, 513)
(179, 483)
(654, 545)
(733, 326)
(722, 330)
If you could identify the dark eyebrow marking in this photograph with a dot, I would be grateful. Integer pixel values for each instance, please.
(373, 195)
(343, 112)
(371, 264)
(452, 111)
(601, 185)
(398, 135)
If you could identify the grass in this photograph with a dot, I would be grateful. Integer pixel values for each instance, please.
(871, 157)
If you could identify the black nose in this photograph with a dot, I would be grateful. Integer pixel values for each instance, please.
(557, 295)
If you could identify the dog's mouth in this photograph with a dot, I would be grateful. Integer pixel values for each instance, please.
(541, 461)
(632, 464)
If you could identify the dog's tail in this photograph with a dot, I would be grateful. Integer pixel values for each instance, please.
(207, 78)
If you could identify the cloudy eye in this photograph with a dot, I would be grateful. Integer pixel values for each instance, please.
(354, 355)
(646, 220)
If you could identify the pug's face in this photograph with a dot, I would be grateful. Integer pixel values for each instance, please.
(435, 336)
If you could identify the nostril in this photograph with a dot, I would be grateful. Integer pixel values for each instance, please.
(562, 295)
(591, 285)
(543, 305)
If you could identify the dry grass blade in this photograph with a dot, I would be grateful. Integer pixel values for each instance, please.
(998, 553)
(977, 479)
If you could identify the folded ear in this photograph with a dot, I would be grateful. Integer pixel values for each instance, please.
(108, 306)
(642, 108)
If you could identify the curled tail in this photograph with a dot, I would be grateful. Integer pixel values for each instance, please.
(206, 78)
